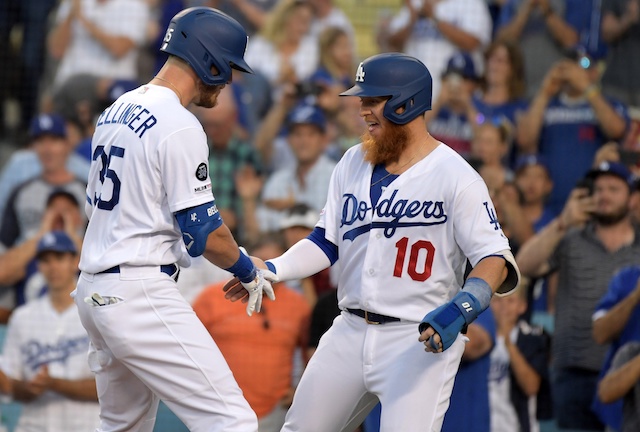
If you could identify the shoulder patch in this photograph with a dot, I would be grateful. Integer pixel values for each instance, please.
(202, 173)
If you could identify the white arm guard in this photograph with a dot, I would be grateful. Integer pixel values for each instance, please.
(303, 259)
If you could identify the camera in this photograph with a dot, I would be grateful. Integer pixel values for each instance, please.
(308, 88)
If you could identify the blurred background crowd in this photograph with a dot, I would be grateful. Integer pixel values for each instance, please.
(542, 97)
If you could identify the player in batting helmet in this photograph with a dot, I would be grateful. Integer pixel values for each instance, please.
(404, 78)
(205, 37)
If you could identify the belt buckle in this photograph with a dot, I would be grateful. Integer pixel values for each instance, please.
(366, 319)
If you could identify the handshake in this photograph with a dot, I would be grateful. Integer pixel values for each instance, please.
(251, 292)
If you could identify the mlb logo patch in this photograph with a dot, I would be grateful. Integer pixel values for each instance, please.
(202, 173)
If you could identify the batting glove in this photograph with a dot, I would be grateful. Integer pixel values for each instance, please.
(449, 319)
(259, 285)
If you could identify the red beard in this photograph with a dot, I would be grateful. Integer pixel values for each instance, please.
(388, 148)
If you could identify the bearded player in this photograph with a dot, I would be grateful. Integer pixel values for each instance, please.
(404, 213)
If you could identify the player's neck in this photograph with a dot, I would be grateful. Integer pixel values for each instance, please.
(179, 78)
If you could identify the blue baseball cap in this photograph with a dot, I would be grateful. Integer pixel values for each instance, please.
(304, 113)
(47, 124)
(613, 168)
(56, 241)
(525, 161)
(462, 64)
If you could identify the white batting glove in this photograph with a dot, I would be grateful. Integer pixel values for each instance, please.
(261, 283)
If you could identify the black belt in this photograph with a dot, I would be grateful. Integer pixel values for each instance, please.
(170, 269)
(373, 318)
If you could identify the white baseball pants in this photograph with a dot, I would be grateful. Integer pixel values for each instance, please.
(150, 345)
(358, 363)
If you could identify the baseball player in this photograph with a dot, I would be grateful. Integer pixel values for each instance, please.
(151, 208)
(404, 213)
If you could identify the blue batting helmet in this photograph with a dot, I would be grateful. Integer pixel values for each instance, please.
(406, 79)
(205, 37)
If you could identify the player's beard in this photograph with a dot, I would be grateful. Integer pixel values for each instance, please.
(208, 95)
(388, 147)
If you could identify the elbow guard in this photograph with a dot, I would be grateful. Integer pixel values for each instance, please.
(196, 223)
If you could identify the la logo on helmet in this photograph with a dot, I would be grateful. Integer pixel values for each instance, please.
(360, 73)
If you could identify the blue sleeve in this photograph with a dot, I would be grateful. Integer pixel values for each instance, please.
(330, 250)
(620, 287)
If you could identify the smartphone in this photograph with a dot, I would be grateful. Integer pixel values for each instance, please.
(630, 157)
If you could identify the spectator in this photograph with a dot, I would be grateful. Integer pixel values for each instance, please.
(519, 364)
(616, 321)
(45, 353)
(544, 29)
(306, 181)
(525, 212)
(18, 267)
(24, 164)
(470, 396)
(80, 100)
(327, 15)
(489, 149)
(266, 344)
(284, 51)
(433, 31)
(228, 154)
(334, 75)
(592, 237)
(621, 30)
(98, 37)
(500, 95)
(251, 14)
(621, 382)
(23, 79)
(26, 205)
(568, 121)
(453, 115)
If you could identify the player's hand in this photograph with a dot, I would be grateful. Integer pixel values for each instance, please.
(259, 285)
(431, 340)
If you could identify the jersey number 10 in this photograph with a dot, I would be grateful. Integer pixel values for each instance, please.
(416, 274)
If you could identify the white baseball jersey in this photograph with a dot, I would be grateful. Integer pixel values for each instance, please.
(408, 255)
(150, 160)
(39, 335)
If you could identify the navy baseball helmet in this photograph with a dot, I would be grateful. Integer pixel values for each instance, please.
(404, 78)
(205, 37)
